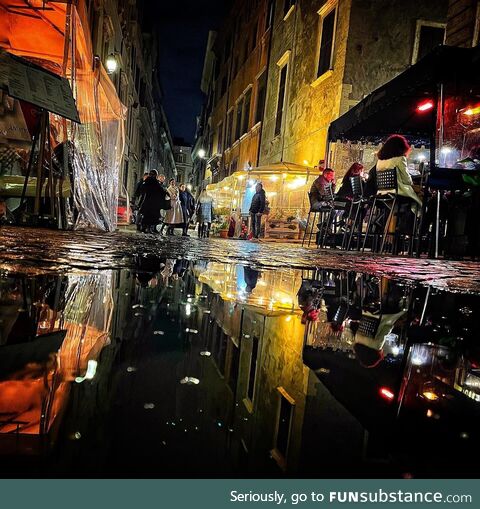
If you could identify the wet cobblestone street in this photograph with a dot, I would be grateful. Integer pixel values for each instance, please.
(29, 250)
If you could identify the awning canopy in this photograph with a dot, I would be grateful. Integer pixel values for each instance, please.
(392, 108)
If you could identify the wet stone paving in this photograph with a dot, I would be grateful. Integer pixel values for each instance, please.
(135, 355)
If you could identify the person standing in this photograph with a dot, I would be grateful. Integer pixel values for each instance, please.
(204, 214)
(164, 203)
(174, 216)
(152, 195)
(257, 208)
(187, 202)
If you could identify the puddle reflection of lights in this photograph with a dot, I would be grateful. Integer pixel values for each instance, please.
(131, 369)
(90, 373)
(288, 318)
(205, 353)
(149, 406)
(430, 395)
(191, 331)
(445, 150)
(188, 309)
(386, 393)
(189, 380)
(159, 333)
(395, 350)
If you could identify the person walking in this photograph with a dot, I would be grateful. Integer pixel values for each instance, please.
(174, 216)
(187, 202)
(152, 195)
(136, 201)
(257, 208)
(204, 214)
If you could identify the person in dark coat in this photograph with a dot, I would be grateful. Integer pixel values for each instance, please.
(136, 198)
(153, 195)
(318, 191)
(187, 202)
(257, 208)
(346, 190)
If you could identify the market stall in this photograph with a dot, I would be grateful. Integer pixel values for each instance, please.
(436, 105)
(286, 186)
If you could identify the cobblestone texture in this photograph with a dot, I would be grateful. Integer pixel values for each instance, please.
(38, 250)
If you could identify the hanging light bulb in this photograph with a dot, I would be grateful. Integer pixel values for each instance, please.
(111, 63)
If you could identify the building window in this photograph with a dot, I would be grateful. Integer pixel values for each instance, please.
(261, 95)
(253, 369)
(282, 82)
(284, 423)
(238, 120)
(287, 7)
(327, 36)
(220, 138)
(229, 128)
(428, 35)
(246, 111)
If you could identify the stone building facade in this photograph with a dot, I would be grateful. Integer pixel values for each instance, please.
(116, 28)
(238, 88)
(182, 154)
(463, 23)
(326, 55)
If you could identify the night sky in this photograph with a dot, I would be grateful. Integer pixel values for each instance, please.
(183, 27)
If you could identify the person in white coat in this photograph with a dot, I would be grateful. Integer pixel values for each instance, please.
(174, 216)
(393, 154)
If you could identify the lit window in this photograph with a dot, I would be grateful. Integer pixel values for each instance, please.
(246, 111)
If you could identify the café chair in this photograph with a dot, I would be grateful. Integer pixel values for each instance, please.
(353, 224)
(382, 209)
(326, 215)
(315, 212)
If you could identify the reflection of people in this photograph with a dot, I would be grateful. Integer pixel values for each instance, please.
(309, 299)
(257, 208)
(251, 278)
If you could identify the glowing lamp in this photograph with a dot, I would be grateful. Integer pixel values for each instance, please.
(111, 63)
(386, 393)
(425, 106)
(202, 153)
(430, 395)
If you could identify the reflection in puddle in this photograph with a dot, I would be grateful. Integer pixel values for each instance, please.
(183, 368)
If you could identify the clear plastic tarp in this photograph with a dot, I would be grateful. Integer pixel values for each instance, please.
(95, 147)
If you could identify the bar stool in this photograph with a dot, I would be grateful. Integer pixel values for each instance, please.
(315, 213)
(383, 207)
(354, 221)
(326, 212)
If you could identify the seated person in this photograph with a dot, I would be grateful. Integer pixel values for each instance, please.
(345, 190)
(318, 194)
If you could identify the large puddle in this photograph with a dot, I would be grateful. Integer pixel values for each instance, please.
(181, 368)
